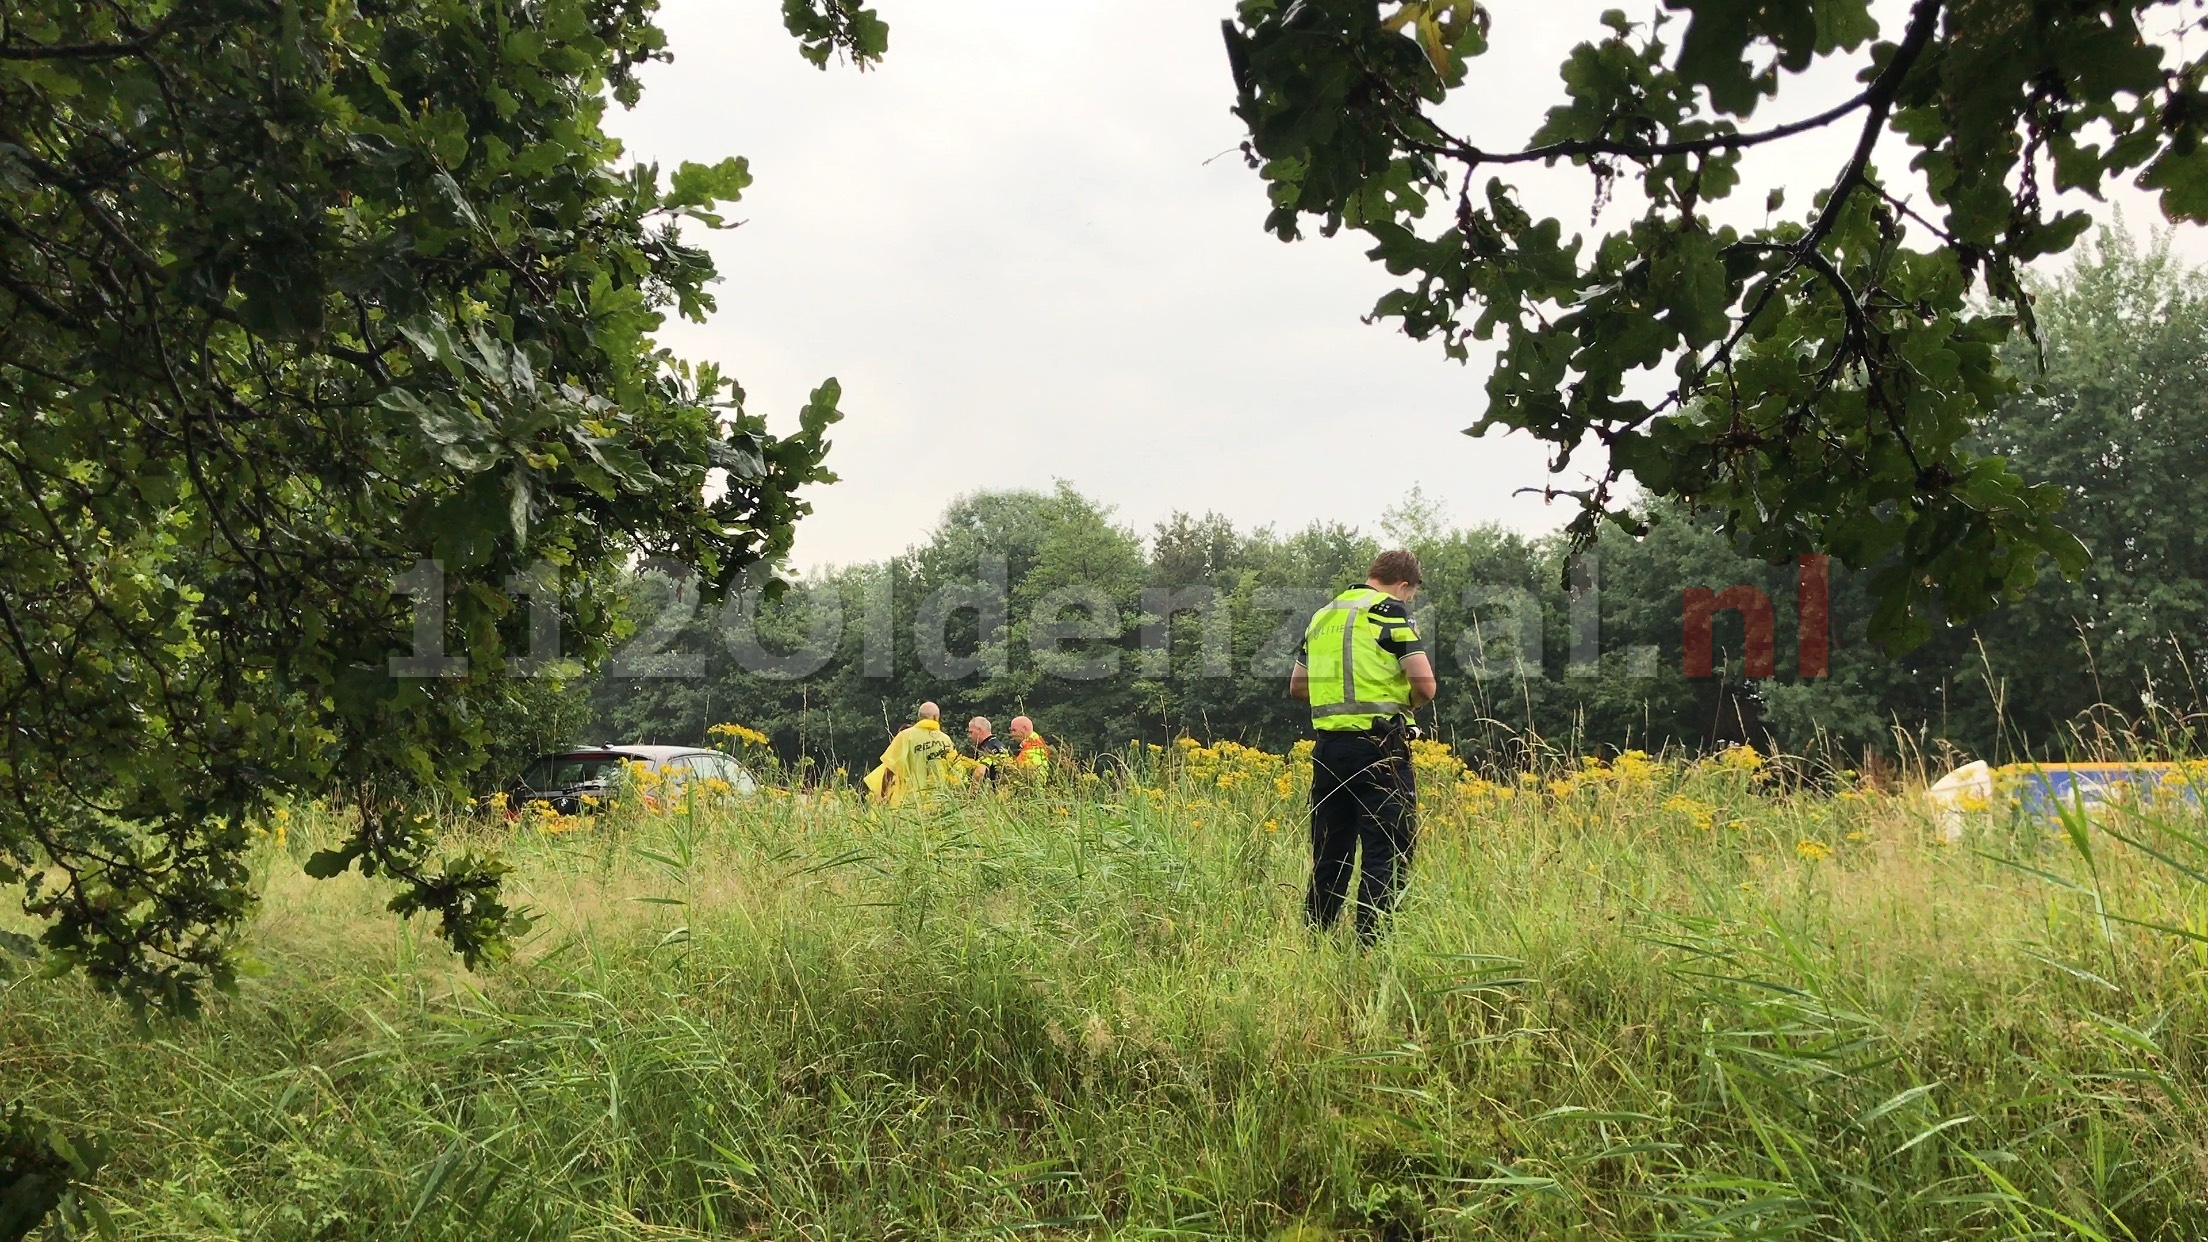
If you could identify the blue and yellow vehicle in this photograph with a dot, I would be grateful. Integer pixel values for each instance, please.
(2043, 791)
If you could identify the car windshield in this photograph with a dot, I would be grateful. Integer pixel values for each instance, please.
(568, 771)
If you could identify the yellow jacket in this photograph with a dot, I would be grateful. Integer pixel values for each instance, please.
(919, 759)
(1034, 754)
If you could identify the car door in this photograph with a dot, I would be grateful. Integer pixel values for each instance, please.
(739, 777)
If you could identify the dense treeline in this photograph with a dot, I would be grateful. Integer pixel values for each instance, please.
(2119, 417)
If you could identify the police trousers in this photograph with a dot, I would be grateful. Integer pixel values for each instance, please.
(1362, 793)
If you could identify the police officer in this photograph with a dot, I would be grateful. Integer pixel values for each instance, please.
(1364, 670)
(990, 753)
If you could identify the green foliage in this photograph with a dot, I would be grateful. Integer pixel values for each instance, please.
(1826, 373)
(291, 297)
(2118, 420)
(827, 27)
(41, 1174)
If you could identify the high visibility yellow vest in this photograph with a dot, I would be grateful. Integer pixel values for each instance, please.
(1354, 683)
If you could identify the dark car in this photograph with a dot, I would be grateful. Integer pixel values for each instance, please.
(572, 781)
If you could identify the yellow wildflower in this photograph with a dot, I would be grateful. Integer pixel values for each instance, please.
(739, 734)
(1740, 757)
(1634, 767)
(1471, 788)
(1701, 814)
(1812, 850)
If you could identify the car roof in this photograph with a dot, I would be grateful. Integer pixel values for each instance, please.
(652, 754)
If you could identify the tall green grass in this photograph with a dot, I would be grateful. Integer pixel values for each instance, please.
(1095, 1012)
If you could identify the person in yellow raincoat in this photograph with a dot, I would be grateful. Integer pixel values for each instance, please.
(919, 760)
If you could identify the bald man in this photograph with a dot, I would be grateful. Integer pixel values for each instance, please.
(1034, 754)
(918, 760)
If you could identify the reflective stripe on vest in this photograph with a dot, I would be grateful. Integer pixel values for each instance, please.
(1356, 683)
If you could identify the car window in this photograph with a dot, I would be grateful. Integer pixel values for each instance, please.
(724, 768)
(682, 769)
(568, 771)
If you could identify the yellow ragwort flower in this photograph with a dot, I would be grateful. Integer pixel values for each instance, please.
(1740, 757)
(1701, 814)
(739, 733)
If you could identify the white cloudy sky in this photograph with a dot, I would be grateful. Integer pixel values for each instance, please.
(1026, 247)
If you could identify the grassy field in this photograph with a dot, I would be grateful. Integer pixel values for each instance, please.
(1621, 1001)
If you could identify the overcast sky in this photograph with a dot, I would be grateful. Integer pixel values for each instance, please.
(1029, 251)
